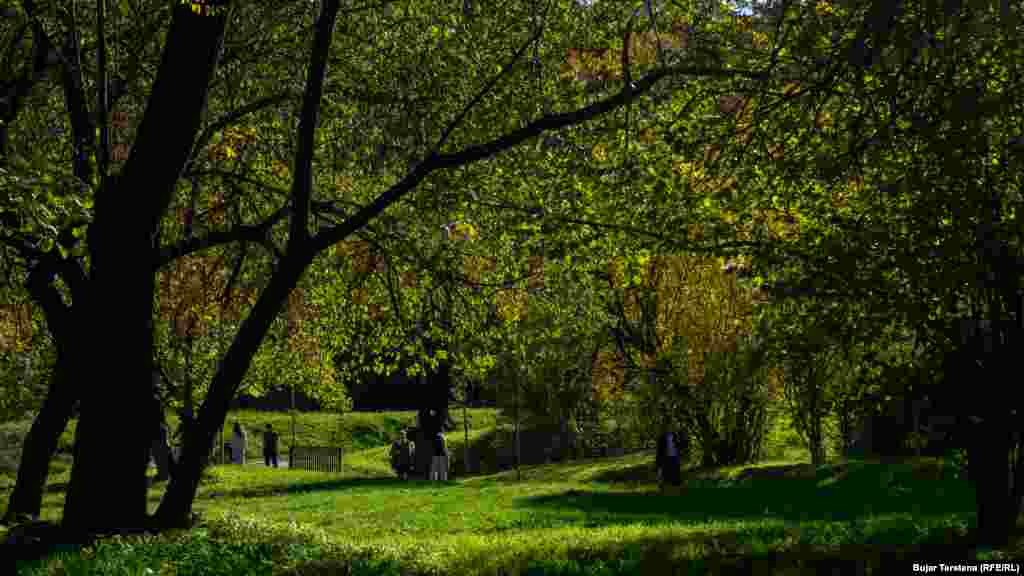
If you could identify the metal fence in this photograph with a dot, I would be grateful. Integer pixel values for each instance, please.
(319, 458)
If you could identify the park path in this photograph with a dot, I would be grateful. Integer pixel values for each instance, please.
(281, 462)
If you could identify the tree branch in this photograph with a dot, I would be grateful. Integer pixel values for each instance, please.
(233, 118)
(302, 182)
(485, 90)
(256, 234)
(17, 90)
(548, 122)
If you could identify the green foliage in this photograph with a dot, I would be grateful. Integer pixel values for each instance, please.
(862, 165)
(728, 415)
(27, 355)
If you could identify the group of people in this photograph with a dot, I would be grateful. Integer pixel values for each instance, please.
(164, 457)
(668, 460)
(239, 442)
(403, 456)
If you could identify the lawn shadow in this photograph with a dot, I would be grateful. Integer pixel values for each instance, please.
(733, 552)
(794, 493)
(326, 486)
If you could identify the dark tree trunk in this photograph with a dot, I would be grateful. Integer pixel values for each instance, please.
(176, 507)
(994, 477)
(433, 417)
(39, 447)
(58, 406)
(114, 435)
(424, 451)
(121, 413)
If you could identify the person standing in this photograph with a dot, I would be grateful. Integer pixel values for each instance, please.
(439, 463)
(667, 459)
(401, 453)
(410, 437)
(270, 446)
(238, 442)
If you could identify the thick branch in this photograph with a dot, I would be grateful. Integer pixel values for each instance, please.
(82, 129)
(172, 117)
(40, 286)
(16, 91)
(251, 234)
(49, 263)
(548, 122)
(298, 233)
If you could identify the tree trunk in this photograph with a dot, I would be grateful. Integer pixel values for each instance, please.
(465, 426)
(429, 427)
(989, 469)
(121, 413)
(39, 448)
(176, 507)
(515, 427)
(816, 440)
(58, 406)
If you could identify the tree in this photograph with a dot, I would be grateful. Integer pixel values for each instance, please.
(107, 490)
(682, 325)
(922, 105)
(812, 360)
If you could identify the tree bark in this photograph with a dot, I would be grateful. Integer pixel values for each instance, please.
(58, 406)
(994, 476)
(108, 488)
(176, 507)
(39, 447)
(121, 413)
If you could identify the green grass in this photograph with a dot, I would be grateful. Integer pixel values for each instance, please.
(601, 516)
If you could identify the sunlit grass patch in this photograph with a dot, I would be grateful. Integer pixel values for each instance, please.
(576, 518)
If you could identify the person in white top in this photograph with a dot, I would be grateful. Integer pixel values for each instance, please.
(238, 442)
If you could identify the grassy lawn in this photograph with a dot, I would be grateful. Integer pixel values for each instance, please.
(601, 516)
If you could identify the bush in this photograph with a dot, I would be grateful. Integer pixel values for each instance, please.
(729, 418)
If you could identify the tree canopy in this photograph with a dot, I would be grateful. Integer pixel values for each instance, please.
(265, 183)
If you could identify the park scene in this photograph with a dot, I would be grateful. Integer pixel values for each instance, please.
(532, 287)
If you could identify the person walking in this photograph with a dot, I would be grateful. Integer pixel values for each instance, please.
(238, 442)
(439, 462)
(401, 456)
(667, 459)
(270, 446)
(410, 440)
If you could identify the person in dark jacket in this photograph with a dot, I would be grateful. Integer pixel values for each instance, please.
(668, 458)
(270, 446)
(401, 456)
